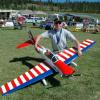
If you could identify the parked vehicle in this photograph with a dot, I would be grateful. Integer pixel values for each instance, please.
(30, 20)
(46, 25)
(8, 23)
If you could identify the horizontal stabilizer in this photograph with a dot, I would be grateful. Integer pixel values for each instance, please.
(25, 44)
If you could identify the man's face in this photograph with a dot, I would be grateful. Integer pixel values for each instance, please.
(57, 25)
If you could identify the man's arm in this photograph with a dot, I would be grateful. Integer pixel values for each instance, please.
(73, 38)
(37, 41)
(42, 35)
(77, 43)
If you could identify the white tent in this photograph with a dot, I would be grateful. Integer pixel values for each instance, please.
(39, 12)
(26, 12)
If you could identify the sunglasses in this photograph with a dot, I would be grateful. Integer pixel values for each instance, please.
(58, 22)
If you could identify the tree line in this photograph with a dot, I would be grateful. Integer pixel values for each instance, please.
(14, 4)
(85, 7)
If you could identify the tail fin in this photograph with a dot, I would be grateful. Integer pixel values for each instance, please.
(31, 37)
(31, 41)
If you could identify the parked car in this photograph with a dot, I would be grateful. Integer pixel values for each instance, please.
(8, 23)
(30, 20)
(35, 19)
(46, 25)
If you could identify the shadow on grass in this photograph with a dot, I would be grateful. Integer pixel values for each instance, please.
(53, 81)
(25, 60)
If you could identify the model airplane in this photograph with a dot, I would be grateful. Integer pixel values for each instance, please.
(55, 63)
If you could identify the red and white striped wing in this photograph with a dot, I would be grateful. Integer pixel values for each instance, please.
(35, 74)
(66, 54)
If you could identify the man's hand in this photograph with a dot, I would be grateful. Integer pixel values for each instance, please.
(79, 53)
(77, 44)
(36, 42)
(36, 48)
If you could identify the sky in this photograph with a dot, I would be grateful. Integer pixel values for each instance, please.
(71, 0)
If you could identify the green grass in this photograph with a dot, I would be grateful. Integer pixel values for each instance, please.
(85, 87)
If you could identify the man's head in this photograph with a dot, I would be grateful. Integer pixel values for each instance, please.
(57, 24)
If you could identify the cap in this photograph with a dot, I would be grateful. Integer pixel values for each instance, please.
(57, 21)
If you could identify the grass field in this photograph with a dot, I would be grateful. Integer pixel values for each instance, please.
(85, 87)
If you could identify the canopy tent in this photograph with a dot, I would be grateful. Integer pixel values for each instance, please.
(39, 12)
(26, 12)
